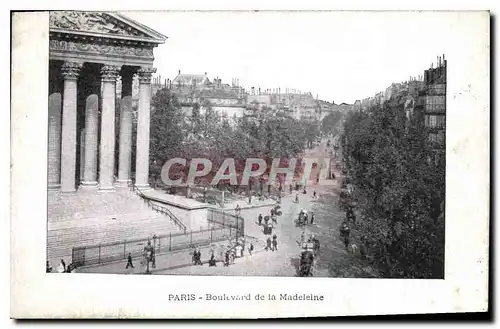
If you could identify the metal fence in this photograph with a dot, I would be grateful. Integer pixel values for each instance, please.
(225, 219)
(110, 252)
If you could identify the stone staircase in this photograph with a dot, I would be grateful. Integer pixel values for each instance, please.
(91, 217)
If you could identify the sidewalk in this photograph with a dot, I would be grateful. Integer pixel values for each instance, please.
(245, 205)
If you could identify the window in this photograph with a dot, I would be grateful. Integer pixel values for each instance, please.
(435, 103)
(435, 121)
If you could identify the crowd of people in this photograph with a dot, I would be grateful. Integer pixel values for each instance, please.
(222, 253)
(61, 267)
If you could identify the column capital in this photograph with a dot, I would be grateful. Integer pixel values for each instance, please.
(110, 72)
(71, 70)
(145, 74)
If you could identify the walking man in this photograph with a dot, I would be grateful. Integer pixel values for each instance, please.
(275, 242)
(312, 218)
(260, 219)
(268, 246)
(129, 261)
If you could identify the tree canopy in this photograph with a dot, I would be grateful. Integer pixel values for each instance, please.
(209, 134)
(399, 189)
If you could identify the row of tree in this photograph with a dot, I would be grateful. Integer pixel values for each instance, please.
(399, 189)
(208, 134)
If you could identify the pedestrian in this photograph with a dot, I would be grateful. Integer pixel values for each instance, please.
(268, 246)
(314, 194)
(212, 262)
(275, 242)
(297, 198)
(237, 210)
(195, 253)
(250, 249)
(344, 232)
(226, 262)
(198, 258)
(273, 218)
(312, 218)
(62, 267)
(260, 219)
(266, 220)
(291, 189)
(129, 261)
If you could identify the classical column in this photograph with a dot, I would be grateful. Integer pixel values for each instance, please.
(70, 71)
(142, 154)
(54, 151)
(109, 73)
(125, 146)
(90, 139)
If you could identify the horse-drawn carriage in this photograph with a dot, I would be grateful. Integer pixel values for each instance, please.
(307, 259)
(268, 229)
(308, 256)
(303, 218)
(276, 211)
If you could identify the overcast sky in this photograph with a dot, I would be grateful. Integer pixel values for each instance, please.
(341, 56)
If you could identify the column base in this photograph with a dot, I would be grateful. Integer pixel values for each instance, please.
(88, 185)
(106, 189)
(123, 182)
(143, 187)
(68, 191)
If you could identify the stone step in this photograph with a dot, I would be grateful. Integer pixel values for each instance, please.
(64, 248)
(106, 230)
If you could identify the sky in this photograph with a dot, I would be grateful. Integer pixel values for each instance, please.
(338, 56)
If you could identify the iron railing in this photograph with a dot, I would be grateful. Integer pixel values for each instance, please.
(110, 252)
(224, 218)
(156, 207)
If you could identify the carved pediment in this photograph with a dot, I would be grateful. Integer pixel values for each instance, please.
(101, 23)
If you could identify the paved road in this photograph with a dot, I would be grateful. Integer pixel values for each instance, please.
(334, 260)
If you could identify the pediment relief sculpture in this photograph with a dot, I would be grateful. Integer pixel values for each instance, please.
(88, 22)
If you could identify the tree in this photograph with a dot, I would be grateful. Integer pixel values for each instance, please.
(331, 121)
(395, 186)
(166, 130)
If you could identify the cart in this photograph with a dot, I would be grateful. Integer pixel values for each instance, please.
(307, 259)
(268, 229)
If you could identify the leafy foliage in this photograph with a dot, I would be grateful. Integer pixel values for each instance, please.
(207, 134)
(399, 189)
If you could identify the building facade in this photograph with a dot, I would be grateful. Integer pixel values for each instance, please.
(88, 53)
(431, 105)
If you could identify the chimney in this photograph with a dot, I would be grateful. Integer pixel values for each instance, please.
(179, 72)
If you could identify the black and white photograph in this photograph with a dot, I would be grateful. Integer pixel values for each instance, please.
(251, 144)
(272, 180)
